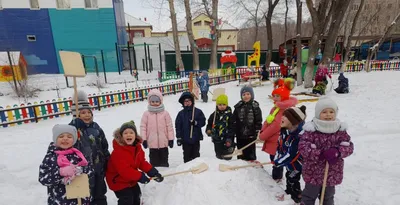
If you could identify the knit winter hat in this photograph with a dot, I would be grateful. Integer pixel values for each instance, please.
(60, 129)
(283, 88)
(247, 89)
(184, 96)
(222, 99)
(295, 115)
(324, 103)
(83, 103)
(128, 125)
(154, 98)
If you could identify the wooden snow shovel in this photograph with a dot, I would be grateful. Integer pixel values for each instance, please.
(73, 67)
(195, 170)
(321, 200)
(224, 167)
(240, 151)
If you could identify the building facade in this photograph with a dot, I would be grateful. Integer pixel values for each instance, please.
(39, 29)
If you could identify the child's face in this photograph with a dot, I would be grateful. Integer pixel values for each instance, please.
(285, 123)
(155, 103)
(65, 141)
(222, 107)
(246, 96)
(129, 136)
(85, 115)
(276, 98)
(187, 102)
(327, 114)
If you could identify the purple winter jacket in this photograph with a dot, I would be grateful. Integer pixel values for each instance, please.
(313, 166)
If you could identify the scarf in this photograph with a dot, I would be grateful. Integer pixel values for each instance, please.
(156, 109)
(62, 160)
(327, 127)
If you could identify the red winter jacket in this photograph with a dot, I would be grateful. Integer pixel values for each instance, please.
(124, 165)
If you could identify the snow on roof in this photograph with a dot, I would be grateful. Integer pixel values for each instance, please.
(14, 58)
(224, 26)
(133, 21)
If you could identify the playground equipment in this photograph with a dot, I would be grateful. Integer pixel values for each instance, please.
(252, 76)
(228, 59)
(12, 66)
(255, 56)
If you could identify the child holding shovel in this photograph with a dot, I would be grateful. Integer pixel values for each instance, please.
(271, 127)
(287, 154)
(323, 146)
(248, 121)
(61, 165)
(127, 166)
(188, 124)
(220, 128)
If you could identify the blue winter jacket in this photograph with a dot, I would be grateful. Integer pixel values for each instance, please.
(49, 176)
(183, 126)
(287, 154)
(203, 82)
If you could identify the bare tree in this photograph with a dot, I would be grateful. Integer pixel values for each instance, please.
(254, 13)
(178, 56)
(268, 23)
(298, 42)
(286, 26)
(372, 51)
(213, 15)
(189, 30)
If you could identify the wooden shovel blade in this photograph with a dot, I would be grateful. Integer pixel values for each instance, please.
(224, 168)
(72, 64)
(199, 168)
(79, 187)
(235, 153)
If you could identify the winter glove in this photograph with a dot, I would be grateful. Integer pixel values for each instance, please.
(154, 173)
(209, 132)
(158, 178)
(78, 170)
(193, 122)
(143, 179)
(179, 141)
(171, 143)
(67, 180)
(228, 142)
(144, 144)
(331, 155)
(68, 171)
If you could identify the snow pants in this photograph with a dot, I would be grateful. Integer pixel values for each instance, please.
(190, 151)
(277, 172)
(159, 157)
(249, 153)
(312, 192)
(99, 190)
(293, 185)
(204, 96)
(129, 196)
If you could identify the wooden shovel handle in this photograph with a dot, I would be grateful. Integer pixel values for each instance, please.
(191, 127)
(250, 165)
(321, 201)
(248, 145)
(76, 97)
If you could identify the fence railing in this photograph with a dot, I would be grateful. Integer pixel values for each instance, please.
(44, 110)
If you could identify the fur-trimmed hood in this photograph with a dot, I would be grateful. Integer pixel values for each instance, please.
(118, 138)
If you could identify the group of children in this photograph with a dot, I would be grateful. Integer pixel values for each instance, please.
(81, 147)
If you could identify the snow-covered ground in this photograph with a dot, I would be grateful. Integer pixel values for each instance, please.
(371, 175)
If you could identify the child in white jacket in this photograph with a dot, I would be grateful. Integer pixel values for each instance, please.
(156, 130)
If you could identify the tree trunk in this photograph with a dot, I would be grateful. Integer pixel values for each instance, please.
(214, 46)
(286, 13)
(189, 30)
(268, 22)
(298, 42)
(179, 61)
(312, 53)
(337, 18)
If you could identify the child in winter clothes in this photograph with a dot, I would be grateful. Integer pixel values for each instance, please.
(343, 85)
(248, 121)
(94, 146)
(184, 123)
(271, 127)
(287, 154)
(125, 162)
(157, 130)
(325, 140)
(220, 128)
(320, 80)
(204, 85)
(61, 165)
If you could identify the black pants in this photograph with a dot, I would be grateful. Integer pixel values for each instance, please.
(159, 157)
(204, 96)
(250, 152)
(219, 149)
(99, 190)
(190, 151)
(277, 172)
(293, 185)
(129, 196)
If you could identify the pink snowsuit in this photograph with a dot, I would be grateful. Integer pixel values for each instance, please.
(321, 74)
(313, 166)
(156, 127)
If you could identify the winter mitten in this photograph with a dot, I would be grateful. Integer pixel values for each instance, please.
(228, 142)
(143, 179)
(209, 132)
(179, 141)
(144, 144)
(159, 178)
(67, 180)
(331, 155)
(78, 170)
(152, 173)
(171, 143)
(193, 122)
(68, 171)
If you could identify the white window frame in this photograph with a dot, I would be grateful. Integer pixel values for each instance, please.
(63, 4)
(31, 4)
(91, 4)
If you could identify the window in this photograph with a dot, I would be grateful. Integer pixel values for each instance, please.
(138, 34)
(31, 38)
(63, 4)
(91, 4)
(197, 23)
(207, 23)
(34, 4)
